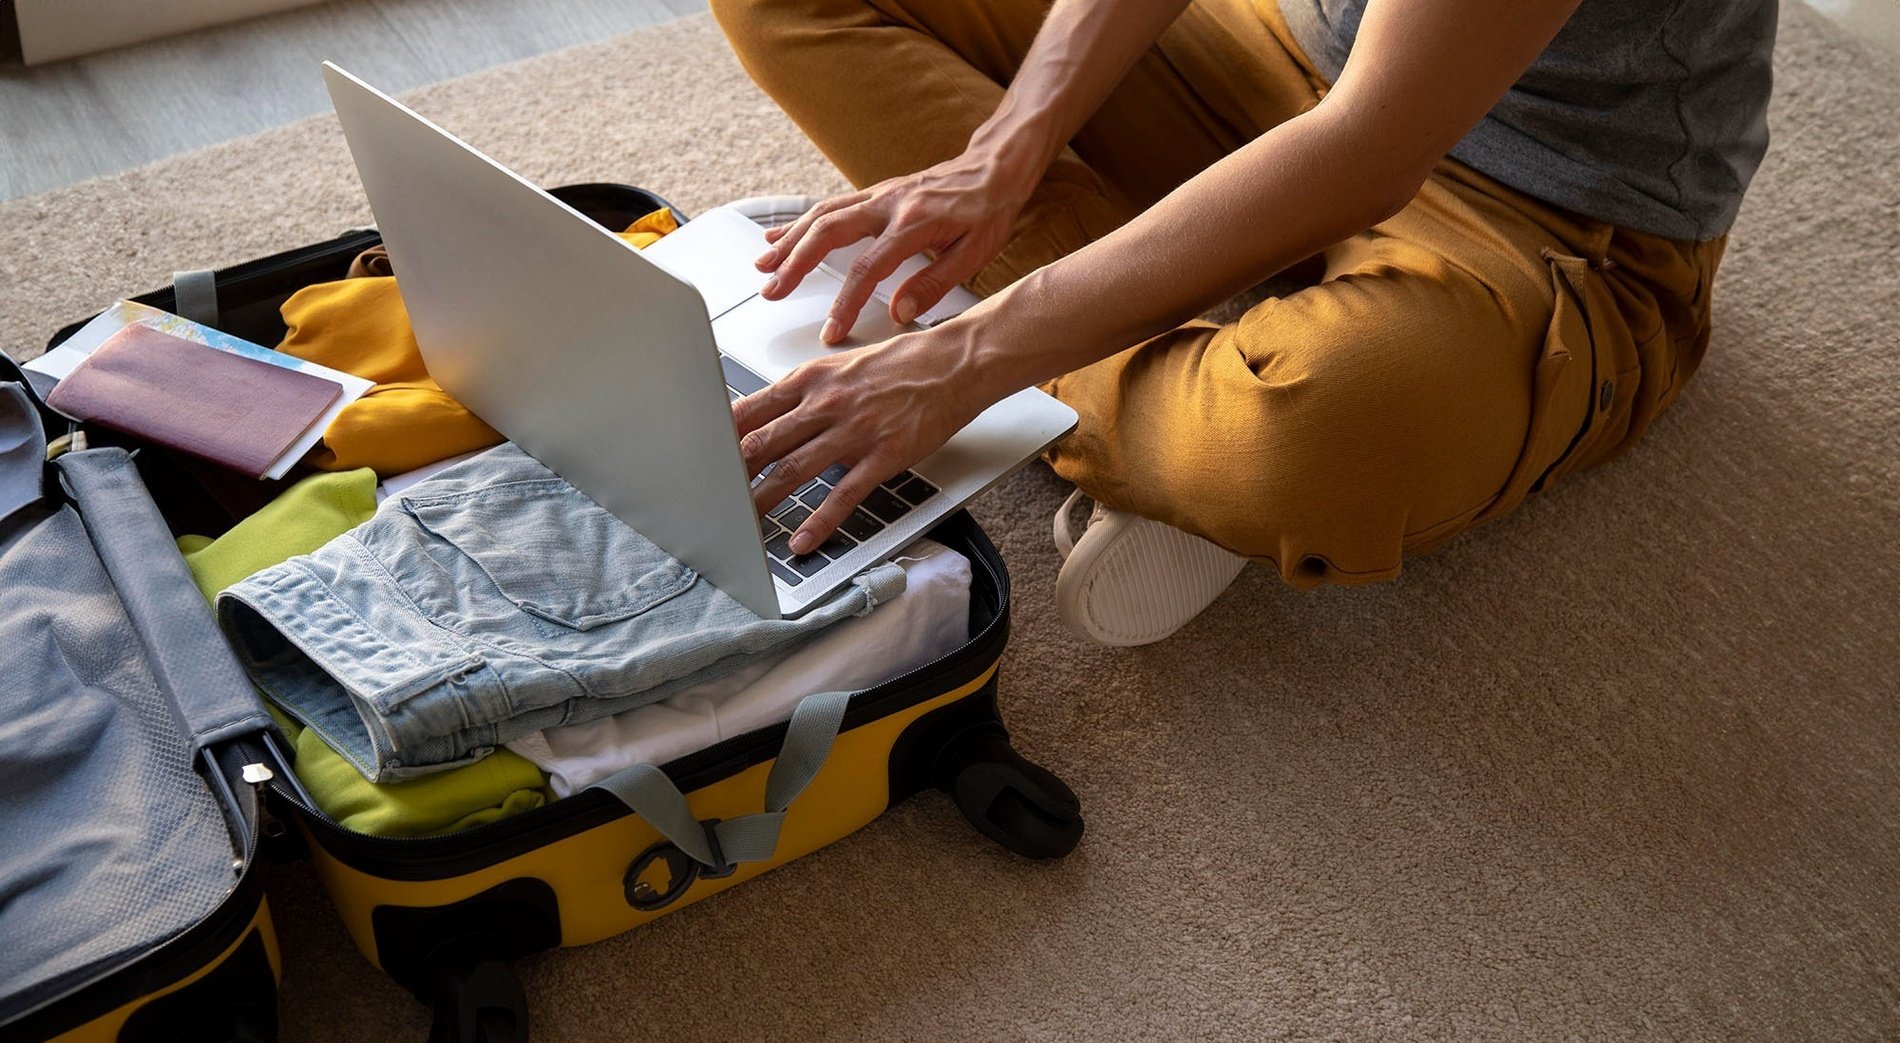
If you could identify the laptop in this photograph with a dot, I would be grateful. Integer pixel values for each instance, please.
(617, 367)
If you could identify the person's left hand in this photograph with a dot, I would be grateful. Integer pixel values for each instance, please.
(876, 410)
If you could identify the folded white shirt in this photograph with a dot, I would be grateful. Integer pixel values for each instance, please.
(396, 484)
(929, 619)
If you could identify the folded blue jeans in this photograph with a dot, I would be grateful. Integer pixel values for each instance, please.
(493, 601)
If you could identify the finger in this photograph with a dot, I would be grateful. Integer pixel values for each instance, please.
(937, 278)
(766, 405)
(789, 235)
(772, 442)
(845, 496)
(872, 266)
(796, 467)
(827, 233)
(782, 237)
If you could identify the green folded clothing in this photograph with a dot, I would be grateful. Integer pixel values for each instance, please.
(501, 784)
(306, 516)
(302, 518)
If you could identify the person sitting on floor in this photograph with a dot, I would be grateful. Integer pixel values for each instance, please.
(1507, 216)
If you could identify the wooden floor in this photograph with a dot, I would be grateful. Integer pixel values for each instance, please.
(72, 120)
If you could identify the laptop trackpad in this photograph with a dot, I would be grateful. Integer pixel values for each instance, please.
(774, 336)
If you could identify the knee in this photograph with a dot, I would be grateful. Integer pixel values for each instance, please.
(1307, 492)
(1326, 455)
(1283, 492)
(1333, 474)
(1198, 432)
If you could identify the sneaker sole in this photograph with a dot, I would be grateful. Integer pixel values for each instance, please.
(1130, 581)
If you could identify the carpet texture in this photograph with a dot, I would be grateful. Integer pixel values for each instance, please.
(1623, 765)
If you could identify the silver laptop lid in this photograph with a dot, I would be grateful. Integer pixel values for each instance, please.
(561, 336)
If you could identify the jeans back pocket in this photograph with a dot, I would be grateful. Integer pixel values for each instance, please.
(555, 553)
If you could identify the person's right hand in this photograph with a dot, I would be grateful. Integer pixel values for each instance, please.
(959, 211)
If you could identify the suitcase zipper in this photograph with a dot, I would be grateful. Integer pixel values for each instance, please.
(351, 242)
(483, 845)
(356, 240)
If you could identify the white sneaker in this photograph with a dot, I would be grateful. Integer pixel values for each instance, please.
(1133, 581)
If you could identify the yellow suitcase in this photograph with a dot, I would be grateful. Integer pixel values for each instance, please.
(445, 916)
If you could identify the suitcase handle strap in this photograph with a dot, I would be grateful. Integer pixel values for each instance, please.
(646, 790)
(195, 295)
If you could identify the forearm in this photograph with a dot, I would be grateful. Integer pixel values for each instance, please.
(1411, 88)
(1288, 194)
(1082, 51)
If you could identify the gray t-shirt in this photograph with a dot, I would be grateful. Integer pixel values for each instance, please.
(1650, 114)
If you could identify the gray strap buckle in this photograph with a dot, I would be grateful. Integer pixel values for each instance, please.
(716, 847)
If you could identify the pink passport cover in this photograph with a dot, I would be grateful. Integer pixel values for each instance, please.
(226, 408)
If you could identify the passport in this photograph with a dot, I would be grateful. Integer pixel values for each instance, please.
(212, 404)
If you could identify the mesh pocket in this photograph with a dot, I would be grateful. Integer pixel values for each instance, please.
(113, 842)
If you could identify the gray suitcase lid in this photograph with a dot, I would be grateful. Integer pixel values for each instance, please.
(118, 828)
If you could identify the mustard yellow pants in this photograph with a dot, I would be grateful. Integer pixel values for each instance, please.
(1436, 368)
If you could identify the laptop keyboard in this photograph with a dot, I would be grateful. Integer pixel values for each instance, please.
(884, 506)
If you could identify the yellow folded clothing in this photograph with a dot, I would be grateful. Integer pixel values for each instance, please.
(304, 517)
(360, 326)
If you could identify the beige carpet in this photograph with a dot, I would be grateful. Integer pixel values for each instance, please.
(1625, 765)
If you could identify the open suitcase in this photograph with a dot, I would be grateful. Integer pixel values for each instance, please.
(443, 915)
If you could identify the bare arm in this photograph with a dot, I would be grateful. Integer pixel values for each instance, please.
(1082, 51)
(1421, 74)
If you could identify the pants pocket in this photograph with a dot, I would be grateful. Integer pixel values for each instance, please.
(1583, 388)
(554, 553)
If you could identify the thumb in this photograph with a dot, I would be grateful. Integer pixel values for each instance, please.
(928, 286)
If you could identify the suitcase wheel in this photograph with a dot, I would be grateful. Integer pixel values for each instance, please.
(477, 1000)
(1011, 800)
